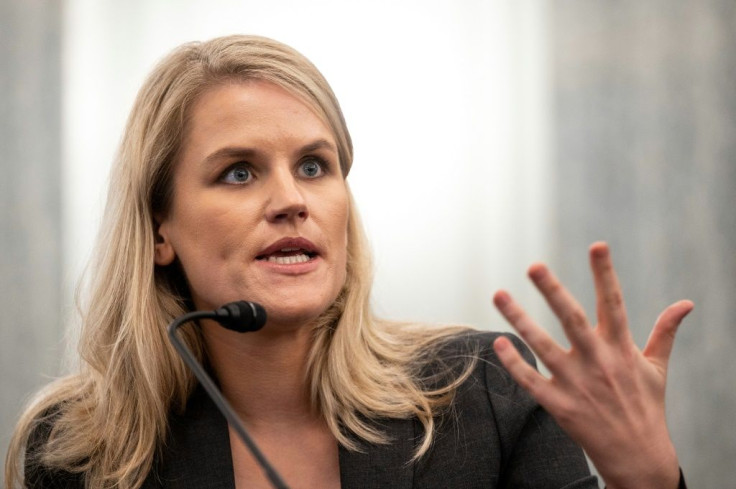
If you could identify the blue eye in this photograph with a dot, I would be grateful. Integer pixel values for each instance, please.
(311, 168)
(238, 174)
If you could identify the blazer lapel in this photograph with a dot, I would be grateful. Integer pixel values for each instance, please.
(198, 452)
(381, 466)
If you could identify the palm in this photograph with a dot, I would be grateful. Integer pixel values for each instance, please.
(605, 392)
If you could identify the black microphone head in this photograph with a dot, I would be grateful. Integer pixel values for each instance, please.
(241, 316)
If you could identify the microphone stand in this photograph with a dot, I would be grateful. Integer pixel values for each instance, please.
(217, 397)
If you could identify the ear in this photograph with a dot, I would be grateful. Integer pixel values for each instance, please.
(164, 253)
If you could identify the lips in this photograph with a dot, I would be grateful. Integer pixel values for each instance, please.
(289, 251)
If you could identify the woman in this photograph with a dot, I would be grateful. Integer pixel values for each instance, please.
(230, 184)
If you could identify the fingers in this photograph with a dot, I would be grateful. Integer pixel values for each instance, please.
(565, 307)
(548, 351)
(612, 320)
(523, 373)
(659, 345)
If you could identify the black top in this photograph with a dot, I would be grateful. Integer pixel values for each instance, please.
(495, 436)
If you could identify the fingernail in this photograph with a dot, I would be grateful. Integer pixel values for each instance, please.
(537, 272)
(689, 305)
(599, 249)
(501, 298)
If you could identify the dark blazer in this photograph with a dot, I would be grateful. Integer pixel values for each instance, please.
(495, 436)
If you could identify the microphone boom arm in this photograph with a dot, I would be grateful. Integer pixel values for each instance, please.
(217, 397)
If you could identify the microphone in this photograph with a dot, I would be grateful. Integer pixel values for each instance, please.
(240, 316)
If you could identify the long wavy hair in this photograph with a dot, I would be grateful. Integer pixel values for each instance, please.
(110, 418)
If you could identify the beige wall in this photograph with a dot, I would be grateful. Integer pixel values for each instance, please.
(30, 254)
(645, 138)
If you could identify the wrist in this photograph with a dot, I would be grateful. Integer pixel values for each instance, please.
(655, 472)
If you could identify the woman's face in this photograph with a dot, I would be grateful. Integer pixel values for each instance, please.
(260, 206)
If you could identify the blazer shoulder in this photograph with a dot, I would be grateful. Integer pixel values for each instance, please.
(479, 344)
(488, 381)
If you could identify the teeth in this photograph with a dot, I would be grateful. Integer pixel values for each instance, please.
(288, 260)
(287, 250)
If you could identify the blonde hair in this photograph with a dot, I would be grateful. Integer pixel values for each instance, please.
(109, 419)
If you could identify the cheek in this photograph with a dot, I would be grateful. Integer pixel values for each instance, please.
(338, 213)
(331, 215)
(342, 215)
(210, 251)
(203, 238)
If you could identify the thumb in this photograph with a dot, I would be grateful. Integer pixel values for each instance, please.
(659, 345)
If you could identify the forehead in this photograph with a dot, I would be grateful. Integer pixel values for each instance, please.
(251, 113)
(254, 117)
(252, 103)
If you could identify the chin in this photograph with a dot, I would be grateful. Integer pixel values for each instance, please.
(289, 317)
(286, 313)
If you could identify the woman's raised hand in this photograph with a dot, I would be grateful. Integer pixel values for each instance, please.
(604, 392)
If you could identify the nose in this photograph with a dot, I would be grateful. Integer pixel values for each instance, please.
(286, 202)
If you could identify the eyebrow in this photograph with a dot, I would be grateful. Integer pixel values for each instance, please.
(245, 152)
(318, 144)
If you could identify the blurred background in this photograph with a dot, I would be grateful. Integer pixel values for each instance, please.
(488, 135)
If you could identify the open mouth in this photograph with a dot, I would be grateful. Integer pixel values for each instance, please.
(288, 256)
